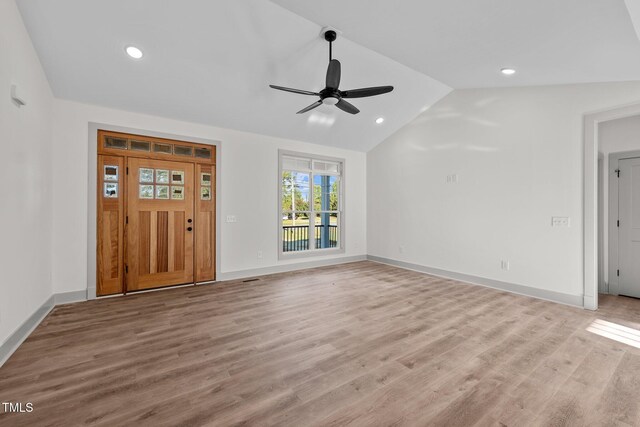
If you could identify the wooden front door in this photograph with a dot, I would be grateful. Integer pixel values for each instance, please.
(160, 236)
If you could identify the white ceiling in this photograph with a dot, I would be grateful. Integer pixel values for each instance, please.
(212, 61)
(464, 43)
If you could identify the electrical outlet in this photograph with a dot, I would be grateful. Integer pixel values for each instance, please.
(452, 179)
(259, 254)
(401, 249)
(505, 265)
(560, 221)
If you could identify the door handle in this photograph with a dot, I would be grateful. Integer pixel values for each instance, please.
(189, 220)
(189, 228)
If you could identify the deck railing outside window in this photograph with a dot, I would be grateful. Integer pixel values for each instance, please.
(296, 237)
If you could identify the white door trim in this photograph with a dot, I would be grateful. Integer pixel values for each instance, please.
(590, 199)
(614, 158)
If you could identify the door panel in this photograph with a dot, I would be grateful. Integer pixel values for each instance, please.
(110, 227)
(159, 207)
(206, 220)
(629, 230)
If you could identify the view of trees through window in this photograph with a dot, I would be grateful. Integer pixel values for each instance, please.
(310, 201)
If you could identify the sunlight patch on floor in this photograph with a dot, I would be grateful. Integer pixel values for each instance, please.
(616, 332)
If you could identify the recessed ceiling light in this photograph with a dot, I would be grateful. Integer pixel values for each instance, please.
(379, 120)
(508, 71)
(133, 52)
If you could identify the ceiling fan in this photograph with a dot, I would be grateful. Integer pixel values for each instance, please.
(331, 95)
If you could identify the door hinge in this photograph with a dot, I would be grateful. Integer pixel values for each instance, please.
(618, 223)
(126, 269)
(126, 220)
(128, 170)
(618, 273)
(618, 172)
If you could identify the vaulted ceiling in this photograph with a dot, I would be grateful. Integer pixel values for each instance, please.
(212, 61)
(465, 43)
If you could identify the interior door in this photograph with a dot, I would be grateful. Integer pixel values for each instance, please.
(629, 230)
(160, 223)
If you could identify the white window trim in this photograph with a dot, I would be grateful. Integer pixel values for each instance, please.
(341, 207)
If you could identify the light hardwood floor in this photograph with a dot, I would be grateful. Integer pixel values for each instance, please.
(358, 344)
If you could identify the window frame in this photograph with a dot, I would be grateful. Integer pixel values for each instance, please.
(312, 251)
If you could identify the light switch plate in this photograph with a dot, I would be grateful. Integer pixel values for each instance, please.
(560, 221)
(232, 218)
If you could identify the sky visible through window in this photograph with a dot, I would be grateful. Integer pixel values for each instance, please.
(300, 183)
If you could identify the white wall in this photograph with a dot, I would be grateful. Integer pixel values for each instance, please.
(249, 178)
(613, 137)
(25, 174)
(518, 155)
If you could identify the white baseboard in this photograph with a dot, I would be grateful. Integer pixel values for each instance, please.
(567, 299)
(12, 343)
(69, 297)
(22, 333)
(243, 274)
(589, 303)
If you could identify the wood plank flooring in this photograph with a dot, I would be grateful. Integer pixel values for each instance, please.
(358, 344)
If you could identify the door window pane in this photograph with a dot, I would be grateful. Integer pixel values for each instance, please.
(110, 173)
(177, 192)
(140, 145)
(203, 153)
(162, 148)
(146, 175)
(111, 190)
(146, 192)
(205, 193)
(182, 151)
(162, 192)
(177, 177)
(113, 142)
(162, 176)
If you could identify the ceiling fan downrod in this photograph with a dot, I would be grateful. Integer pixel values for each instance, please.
(330, 36)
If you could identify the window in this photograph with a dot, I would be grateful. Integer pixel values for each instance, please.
(311, 205)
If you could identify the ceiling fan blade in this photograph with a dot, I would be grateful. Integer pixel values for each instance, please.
(367, 91)
(333, 74)
(310, 107)
(288, 89)
(345, 106)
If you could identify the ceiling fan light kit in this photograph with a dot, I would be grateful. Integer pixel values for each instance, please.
(331, 95)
